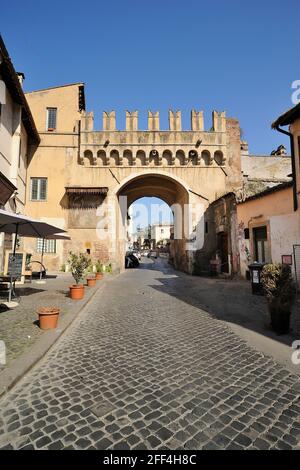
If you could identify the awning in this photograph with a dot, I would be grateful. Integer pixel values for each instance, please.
(86, 190)
(6, 189)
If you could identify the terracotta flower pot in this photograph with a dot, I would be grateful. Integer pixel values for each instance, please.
(91, 281)
(48, 317)
(99, 276)
(77, 291)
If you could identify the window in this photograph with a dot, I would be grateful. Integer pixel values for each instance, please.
(51, 119)
(49, 245)
(38, 189)
(261, 249)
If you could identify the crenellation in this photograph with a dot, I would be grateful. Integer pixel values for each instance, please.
(219, 121)
(197, 120)
(109, 120)
(131, 121)
(87, 122)
(153, 121)
(174, 120)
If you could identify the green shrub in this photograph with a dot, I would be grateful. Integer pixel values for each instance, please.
(278, 285)
(99, 267)
(78, 265)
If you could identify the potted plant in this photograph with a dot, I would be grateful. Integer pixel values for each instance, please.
(91, 281)
(99, 270)
(78, 265)
(280, 291)
(48, 317)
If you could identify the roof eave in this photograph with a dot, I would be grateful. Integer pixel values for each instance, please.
(288, 117)
(13, 84)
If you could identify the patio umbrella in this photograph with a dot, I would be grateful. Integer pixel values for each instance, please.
(25, 226)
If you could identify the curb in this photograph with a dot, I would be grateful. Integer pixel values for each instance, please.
(23, 364)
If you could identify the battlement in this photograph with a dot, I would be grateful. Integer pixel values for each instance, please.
(171, 147)
(197, 121)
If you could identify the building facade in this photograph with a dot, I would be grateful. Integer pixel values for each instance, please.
(292, 119)
(84, 180)
(18, 138)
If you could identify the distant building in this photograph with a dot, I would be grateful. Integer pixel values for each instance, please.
(161, 233)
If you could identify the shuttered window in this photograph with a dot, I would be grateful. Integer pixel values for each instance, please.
(49, 246)
(38, 189)
(51, 119)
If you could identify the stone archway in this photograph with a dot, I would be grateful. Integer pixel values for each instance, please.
(171, 190)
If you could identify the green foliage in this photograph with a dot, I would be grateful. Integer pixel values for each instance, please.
(279, 286)
(78, 265)
(107, 268)
(99, 267)
(63, 268)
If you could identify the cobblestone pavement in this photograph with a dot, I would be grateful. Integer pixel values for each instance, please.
(18, 327)
(143, 369)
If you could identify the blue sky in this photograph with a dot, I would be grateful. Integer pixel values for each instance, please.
(228, 55)
(232, 55)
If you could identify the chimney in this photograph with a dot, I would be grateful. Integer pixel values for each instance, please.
(21, 78)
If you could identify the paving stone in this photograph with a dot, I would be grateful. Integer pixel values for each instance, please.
(159, 374)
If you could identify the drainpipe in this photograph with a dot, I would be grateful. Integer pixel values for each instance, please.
(282, 131)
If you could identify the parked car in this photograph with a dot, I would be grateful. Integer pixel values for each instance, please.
(152, 254)
(137, 254)
(145, 253)
(131, 260)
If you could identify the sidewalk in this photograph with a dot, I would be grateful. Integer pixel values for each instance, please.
(25, 342)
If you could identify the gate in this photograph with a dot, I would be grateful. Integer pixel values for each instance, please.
(297, 264)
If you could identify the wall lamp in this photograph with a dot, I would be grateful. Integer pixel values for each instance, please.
(106, 143)
(198, 143)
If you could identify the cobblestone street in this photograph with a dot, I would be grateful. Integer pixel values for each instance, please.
(142, 368)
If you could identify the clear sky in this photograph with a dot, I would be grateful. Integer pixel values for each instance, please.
(148, 210)
(233, 55)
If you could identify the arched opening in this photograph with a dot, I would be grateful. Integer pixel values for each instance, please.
(193, 157)
(140, 158)
(167, 158)
(219, 158)
(127, 158)
(114, 158)
(150, 226)
(88, 157)
(180, 157)
(174, 193)
(154, 158)
(101, 157)
(206, 156)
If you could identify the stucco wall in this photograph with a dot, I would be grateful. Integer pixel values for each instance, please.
(275, 211)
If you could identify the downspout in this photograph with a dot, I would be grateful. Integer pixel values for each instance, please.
(282, 131)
